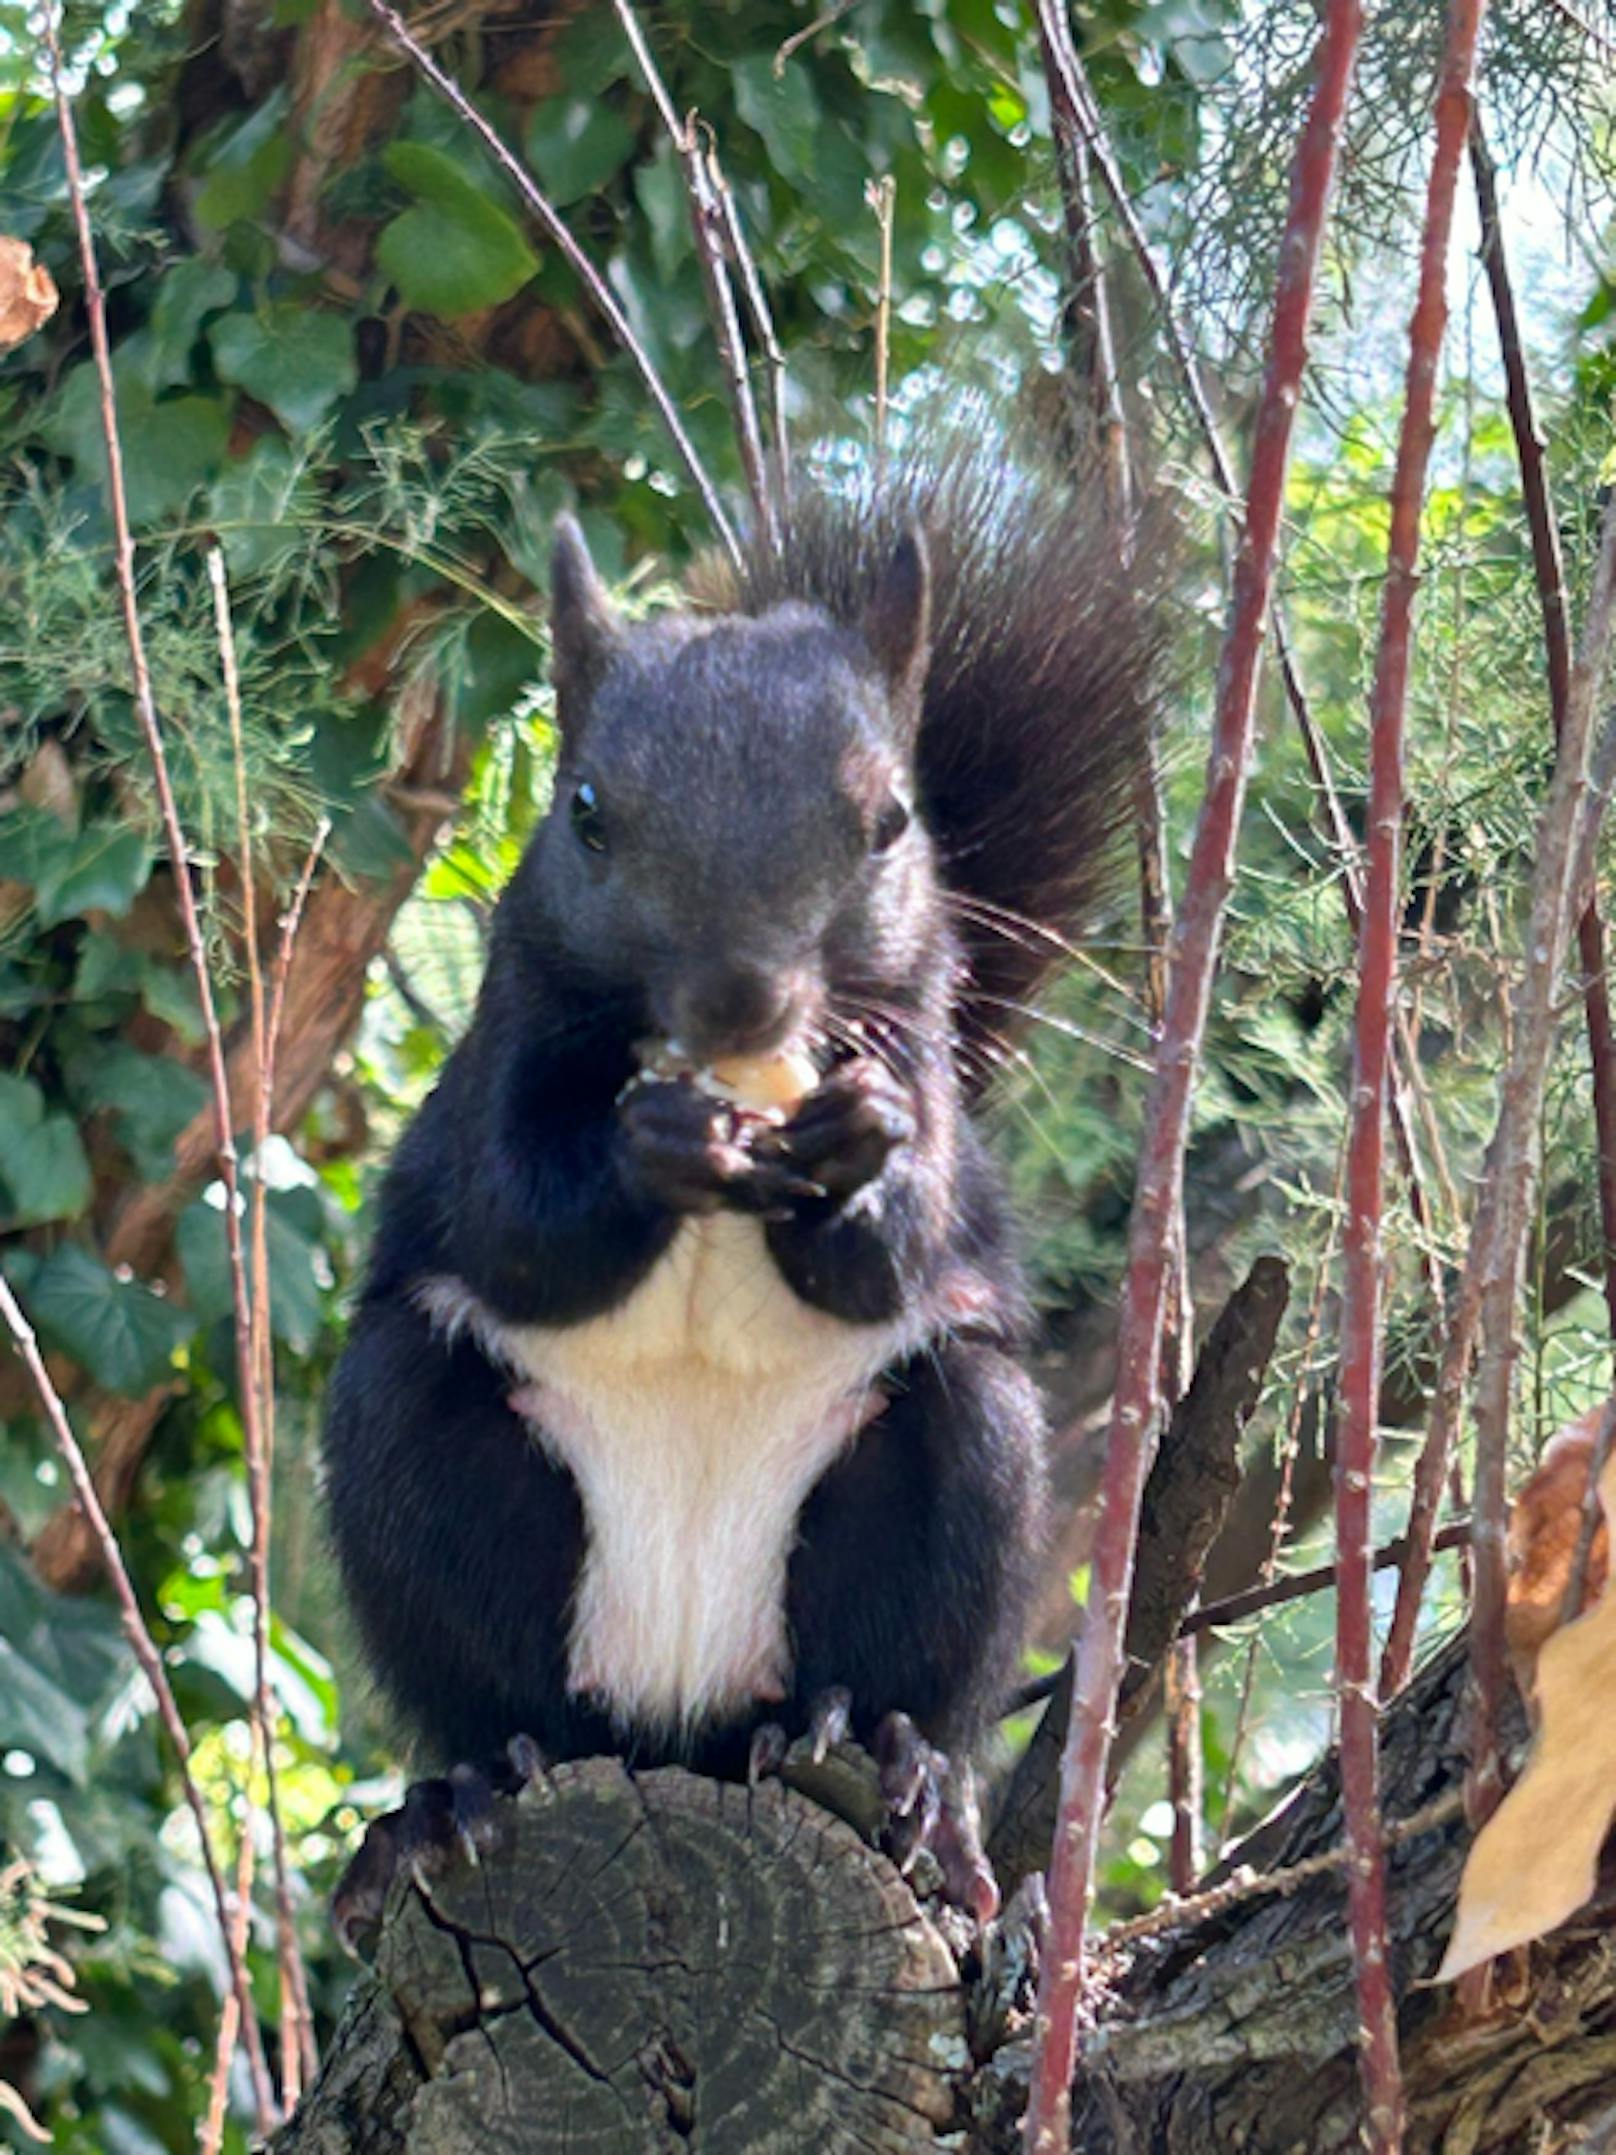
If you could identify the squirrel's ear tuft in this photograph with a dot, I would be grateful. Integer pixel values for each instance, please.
(897, 621)
(583, 627)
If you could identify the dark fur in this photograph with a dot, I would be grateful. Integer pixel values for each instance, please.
(743, 767)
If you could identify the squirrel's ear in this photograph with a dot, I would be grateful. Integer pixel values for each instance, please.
(897, 620)
(583, 627)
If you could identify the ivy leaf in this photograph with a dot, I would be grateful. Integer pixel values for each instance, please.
(186, 292)
(784, 111)
(39, 1718)
(169, 992)
(262, 506)
(456, 251)
(120, 1333)
(245, 165)
(298, 360)
(151, 1101)
(169, 447)
(104, 870)
(577, 144)
(42, 1162)
(294, 1281)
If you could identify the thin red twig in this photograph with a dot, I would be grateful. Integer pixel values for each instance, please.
(1135, 1410)
(1356, 1427)
(146, 713)
(298, 2060)
(586, 272)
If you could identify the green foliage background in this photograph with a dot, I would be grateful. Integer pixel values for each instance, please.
(379, 435)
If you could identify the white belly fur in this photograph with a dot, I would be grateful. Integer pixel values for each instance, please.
(694, 1418)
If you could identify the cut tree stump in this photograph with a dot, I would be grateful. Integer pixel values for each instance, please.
(649, 1962)
(659, 1962)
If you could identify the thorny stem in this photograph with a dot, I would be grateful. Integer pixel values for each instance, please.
(1135, 1412)
(707, 228)
(1362, 1257)
(146, 712)
(588, 275)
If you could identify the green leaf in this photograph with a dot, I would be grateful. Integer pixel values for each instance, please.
(169, 992)
(577, 144)
(457, 250)
(39, 1718)
(186, 291)
(783, 109)
(245, 166)
(262, 505)
(120, 1333)
(294, 1281)
(151, 1100)
(299, 360)
(169, 447)
(42, 1162)
(104, 871)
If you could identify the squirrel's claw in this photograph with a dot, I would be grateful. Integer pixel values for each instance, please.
(844, 1131)
(441, 1821)
(933, 1806)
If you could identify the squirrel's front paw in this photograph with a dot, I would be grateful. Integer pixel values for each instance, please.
(688, 1151)
(841, 1136)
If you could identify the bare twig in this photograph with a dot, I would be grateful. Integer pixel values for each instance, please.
(146, 713)
(823, 21)
(1296, 1585)
(1549, 569)
(1357, 1701)
(757, 301)
(298, 2061)
(1245, 1884)
(882, 197)
(1079, 103)
(211, 2135)
(707, 229)
(588, 275)
(151, 1665)
(1195, 942)
(1493, 1274)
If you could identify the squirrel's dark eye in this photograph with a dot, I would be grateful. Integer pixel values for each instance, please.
(589, 825)
(890, 826)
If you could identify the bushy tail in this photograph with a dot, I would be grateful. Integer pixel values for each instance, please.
(1046, 669)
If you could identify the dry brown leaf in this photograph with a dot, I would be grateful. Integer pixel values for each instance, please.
(1545, 1526)
(27, 293)
(1535, 1861)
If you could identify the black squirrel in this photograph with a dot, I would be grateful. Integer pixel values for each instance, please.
(666, 1428)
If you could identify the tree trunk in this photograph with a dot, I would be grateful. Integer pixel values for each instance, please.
(655, 1962)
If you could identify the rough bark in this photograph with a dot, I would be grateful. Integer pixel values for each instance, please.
(1239, 2031)
(649, 1962)
(659, 1962)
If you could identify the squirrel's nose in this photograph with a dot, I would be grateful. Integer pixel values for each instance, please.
(735, 1010)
